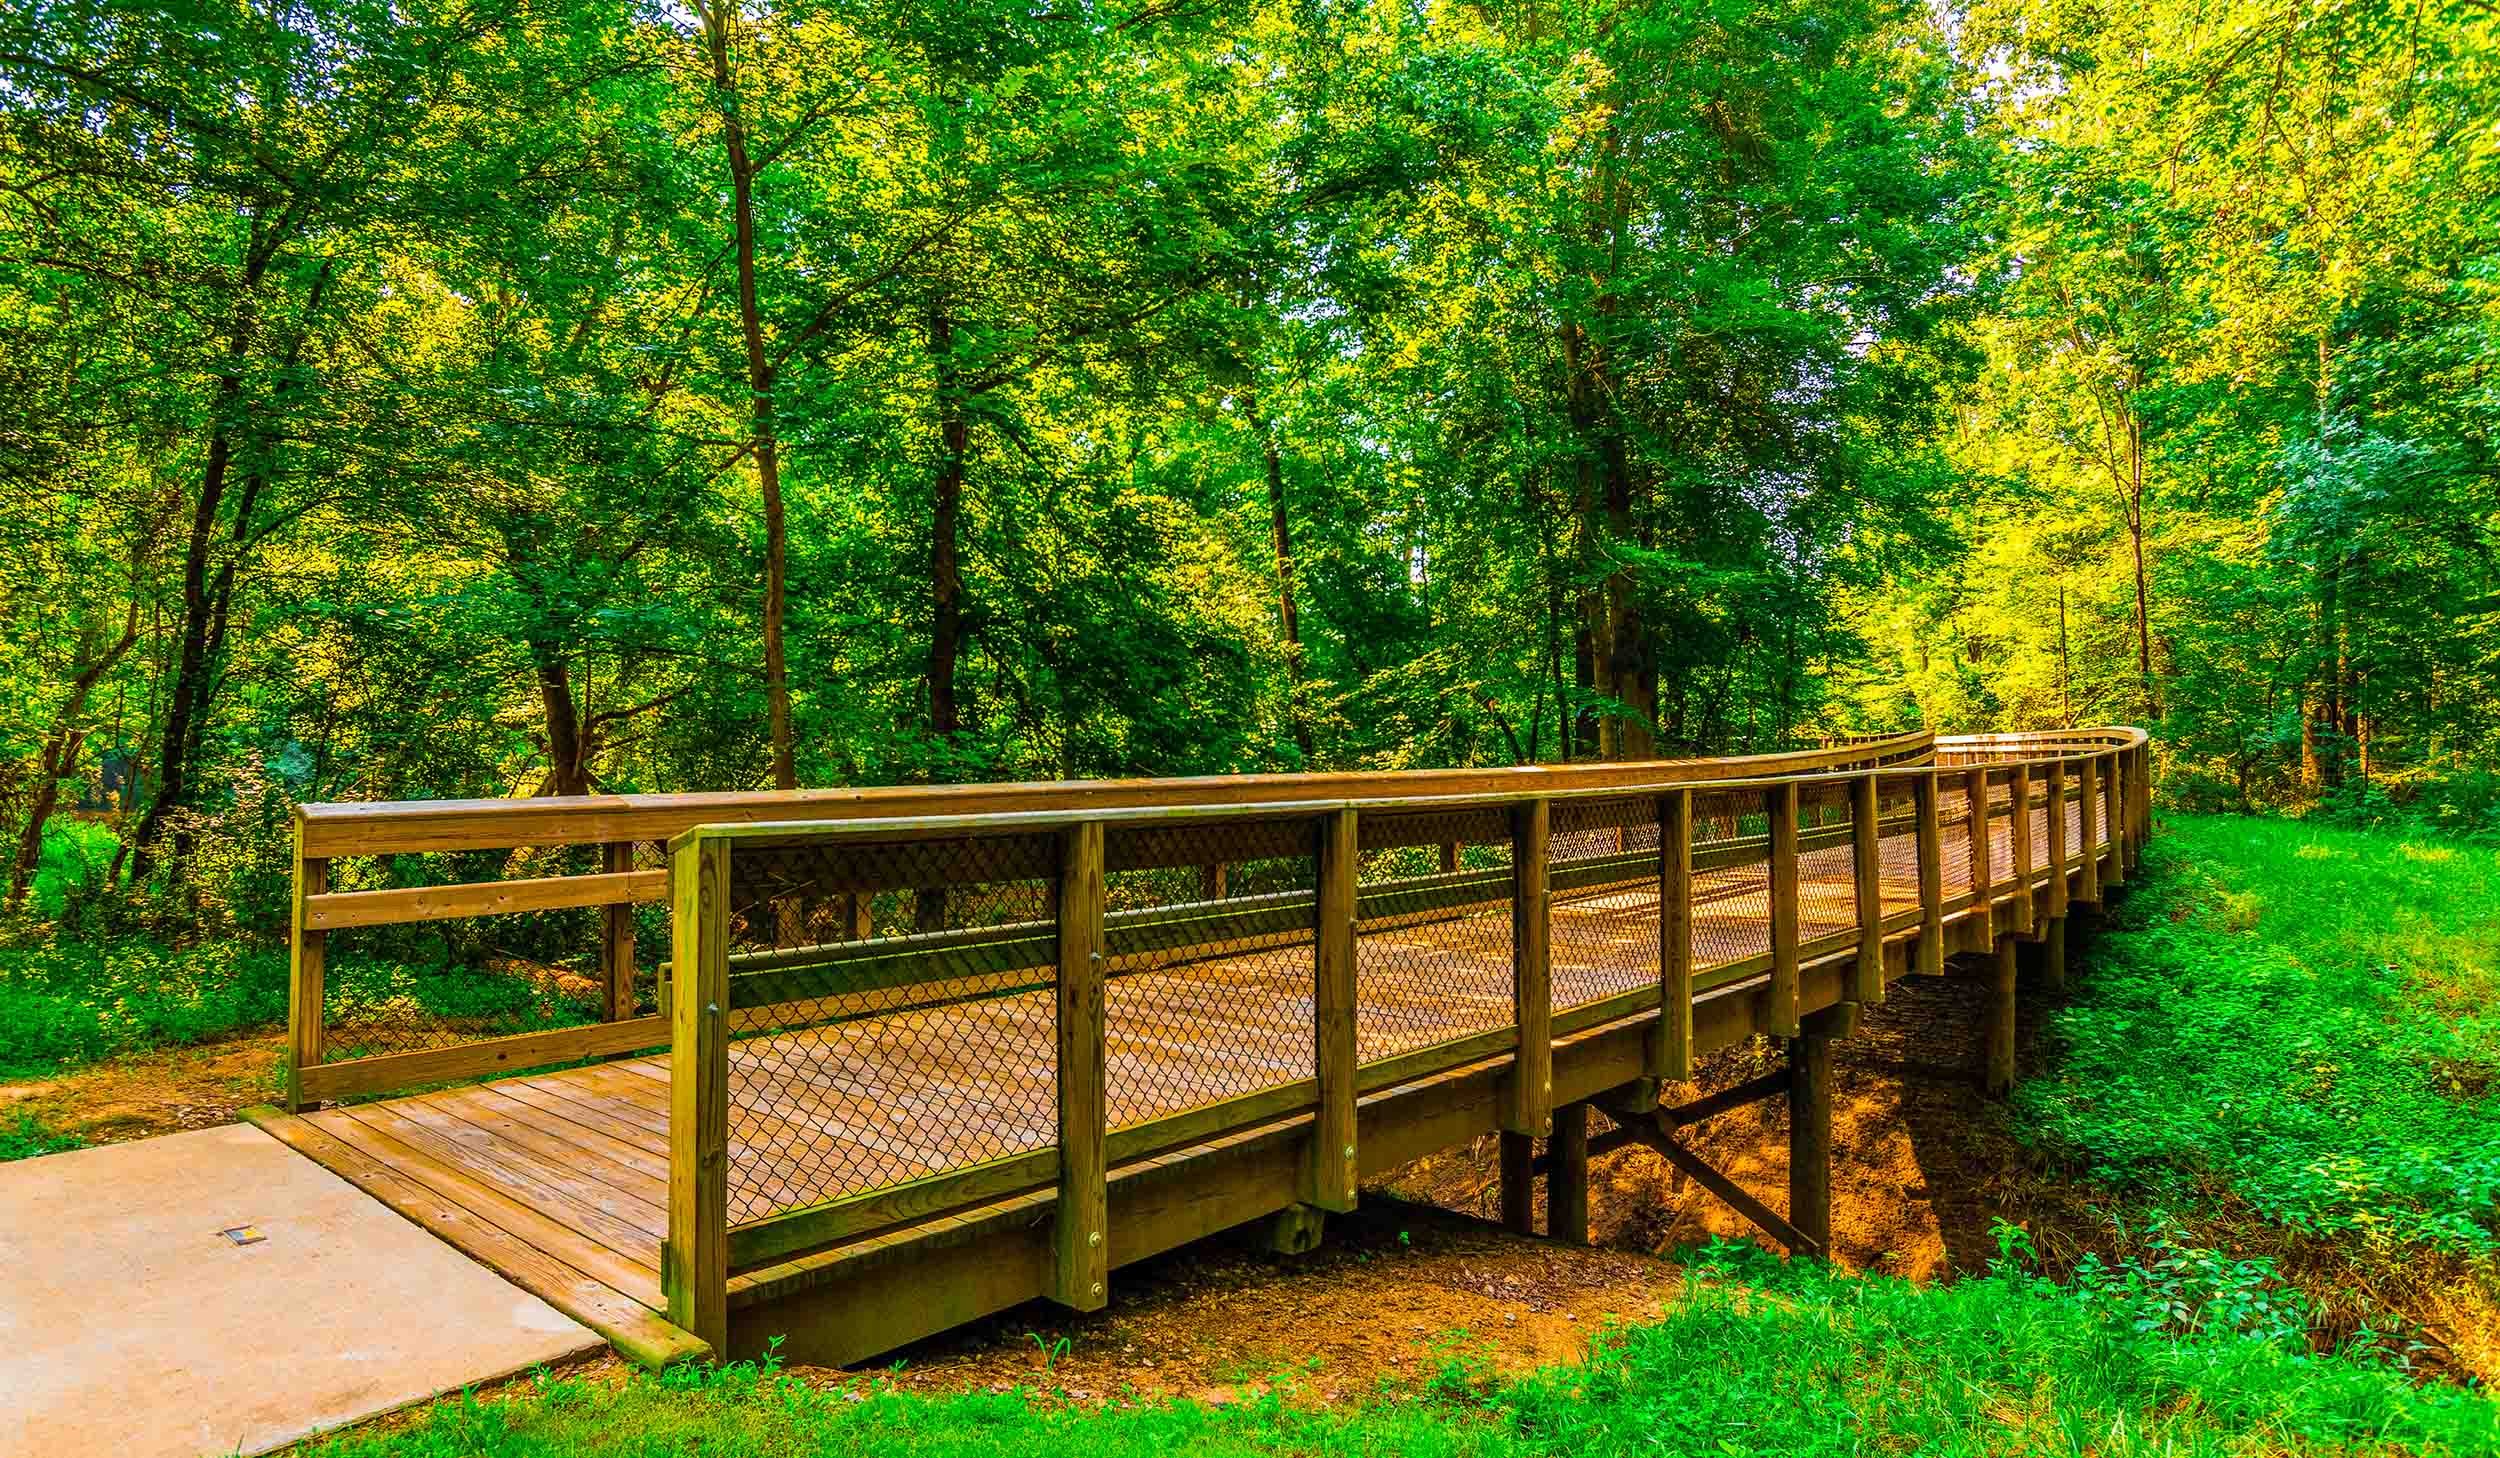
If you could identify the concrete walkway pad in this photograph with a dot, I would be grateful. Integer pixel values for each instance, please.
(132, 1324)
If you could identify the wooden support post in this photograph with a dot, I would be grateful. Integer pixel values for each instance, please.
(2057, 838)
(1672, 1047)
(2023, 864)
(1567, 1182)
(1296, 1230)
(1930, 876)
(307, 950)
(1781, 804)
(1866, 977)
(616, 938)
(694, 1263)
(1518, 1183)
(1080, 1238)
(2087, 770)
(2000, 1033)
(2053, 955)
(1810, 1135)
(1449, 858)
(1330, 1178)
(1532, 999)
(1211, 882)
(2115, 781)
(1982, 877)
(858, 918)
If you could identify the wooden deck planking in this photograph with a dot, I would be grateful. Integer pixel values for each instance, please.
(572, 1163)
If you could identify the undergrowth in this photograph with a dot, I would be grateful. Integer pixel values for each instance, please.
(2297, 1018)
(1759, 1356)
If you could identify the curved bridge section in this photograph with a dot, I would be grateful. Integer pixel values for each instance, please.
(918, 1055)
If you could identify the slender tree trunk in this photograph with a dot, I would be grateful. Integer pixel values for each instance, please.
(945, 576)
(763, 439)
(59, 757)
(1280, 533)
(568, 756)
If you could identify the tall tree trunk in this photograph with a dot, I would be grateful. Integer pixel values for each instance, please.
(946, 585)
(59, 757)
(1280, 533)
(568, 748)
(763, 441)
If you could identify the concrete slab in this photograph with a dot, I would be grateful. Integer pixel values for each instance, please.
(131, 1326)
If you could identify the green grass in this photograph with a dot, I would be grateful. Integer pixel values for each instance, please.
(2303, 1019)
(1758, 1357)
(25, 1137)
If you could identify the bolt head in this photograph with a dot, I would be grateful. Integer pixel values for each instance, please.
(1093, 1237)
(1098, 1288)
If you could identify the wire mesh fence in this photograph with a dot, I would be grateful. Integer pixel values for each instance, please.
(1731, 880)
(1432, 943)
(1827, 865)
(1603, 867)
(1211, 932)
(894, 1012)
(1896, 812)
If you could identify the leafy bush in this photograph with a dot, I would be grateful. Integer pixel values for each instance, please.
(67, 1002)
(2296, 1016)
(74, 863)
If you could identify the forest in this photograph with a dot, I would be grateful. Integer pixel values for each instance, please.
(538, 397)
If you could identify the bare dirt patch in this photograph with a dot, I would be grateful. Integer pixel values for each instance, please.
(159, 1091)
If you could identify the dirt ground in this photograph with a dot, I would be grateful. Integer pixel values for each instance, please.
(157, 1092)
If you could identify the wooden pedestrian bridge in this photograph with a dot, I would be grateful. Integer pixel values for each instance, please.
(916, 1055)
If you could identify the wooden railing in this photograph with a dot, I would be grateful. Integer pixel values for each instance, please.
(335, 843)
(761, 1000)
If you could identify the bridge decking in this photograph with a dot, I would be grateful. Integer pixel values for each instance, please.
(560, 1179)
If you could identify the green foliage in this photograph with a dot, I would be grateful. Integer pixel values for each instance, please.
(1759, 1356)
(2299, 1018)
(63, 1002)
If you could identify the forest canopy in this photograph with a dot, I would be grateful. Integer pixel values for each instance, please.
(515, 397)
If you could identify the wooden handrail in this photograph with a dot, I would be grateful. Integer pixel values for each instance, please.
(616, 824)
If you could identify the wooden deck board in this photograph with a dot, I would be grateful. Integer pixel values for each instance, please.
(571, 1165)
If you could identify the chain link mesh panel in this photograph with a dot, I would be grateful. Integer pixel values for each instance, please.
(894, 1012)
(1731, 879)
(1210, 983)
(1603, 867)
(1896, 810)
(1953, 821)
(1432, 942)
(1827, 861)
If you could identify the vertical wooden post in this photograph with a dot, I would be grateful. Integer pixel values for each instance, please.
(307, 951)
(1532, 995)
(1518, 1183)
(1672, 1048)
(1982, 875)
(694, 1264)
(1810, 1135)
(1567, 1176)
(857, 916)
(2057, 838)
(1449, 858)
(2053, 955)
(2114, 784)
(616, 938)
(1930, 875)
(1211, 882)
(2000, 1051)
(1866, 829)
(2023, 864)
(1080, 1240)
(1781, 803)
(2087, 771)
(1329, 1183)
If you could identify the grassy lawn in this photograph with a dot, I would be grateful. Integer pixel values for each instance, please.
(1759, 1357)
(2301, 1020)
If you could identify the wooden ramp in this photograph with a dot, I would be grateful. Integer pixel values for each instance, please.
(887, 1173)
